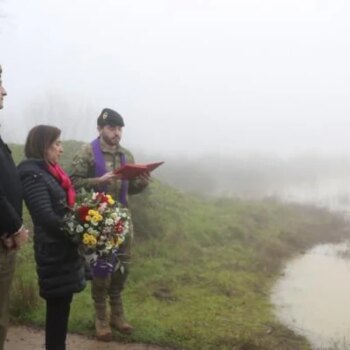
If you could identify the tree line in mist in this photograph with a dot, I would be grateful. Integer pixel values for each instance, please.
(252, 176)
(245, 176)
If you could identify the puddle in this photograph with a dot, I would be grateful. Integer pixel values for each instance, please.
(313, 296)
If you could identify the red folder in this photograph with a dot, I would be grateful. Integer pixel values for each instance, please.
(130, 171)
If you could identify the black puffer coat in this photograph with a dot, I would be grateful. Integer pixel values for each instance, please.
(60, 268)
(10, 193)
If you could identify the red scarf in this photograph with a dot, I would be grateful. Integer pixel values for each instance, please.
(56, 171)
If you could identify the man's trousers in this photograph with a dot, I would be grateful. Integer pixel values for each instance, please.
(7, 268)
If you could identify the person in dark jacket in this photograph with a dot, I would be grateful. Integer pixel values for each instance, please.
(49, 194)
(12, 232)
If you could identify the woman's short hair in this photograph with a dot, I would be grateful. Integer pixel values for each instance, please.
(39, 139)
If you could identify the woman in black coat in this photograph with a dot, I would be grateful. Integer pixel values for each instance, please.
(48, 194)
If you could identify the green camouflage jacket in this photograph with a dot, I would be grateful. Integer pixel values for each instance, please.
(82, 171)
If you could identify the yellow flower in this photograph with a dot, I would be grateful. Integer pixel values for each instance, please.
(89, 239)
(111, 201)
(119, 241)
(94, 221)
(96, 218)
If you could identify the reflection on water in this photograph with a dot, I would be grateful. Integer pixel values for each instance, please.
(313, 296)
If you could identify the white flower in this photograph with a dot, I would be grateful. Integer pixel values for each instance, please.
(109, 221)
(79, 229)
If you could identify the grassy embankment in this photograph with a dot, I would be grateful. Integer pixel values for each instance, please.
(202, 271)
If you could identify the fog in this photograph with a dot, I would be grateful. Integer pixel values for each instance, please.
(189, 76)
(240, 98)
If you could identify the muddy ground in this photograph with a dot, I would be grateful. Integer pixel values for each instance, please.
(23, 337)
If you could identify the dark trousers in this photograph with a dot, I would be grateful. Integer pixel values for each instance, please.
(112, 285)
(57, 315)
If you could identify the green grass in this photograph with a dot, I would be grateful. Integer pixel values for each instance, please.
(202, 271)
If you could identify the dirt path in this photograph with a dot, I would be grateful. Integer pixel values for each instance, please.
(23, 337)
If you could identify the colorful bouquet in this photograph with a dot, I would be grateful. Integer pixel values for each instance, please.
(99, 225)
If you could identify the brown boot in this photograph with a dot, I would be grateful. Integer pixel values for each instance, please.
(103, 331)
(117, 317)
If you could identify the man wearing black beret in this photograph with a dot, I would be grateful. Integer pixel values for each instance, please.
(94, 168)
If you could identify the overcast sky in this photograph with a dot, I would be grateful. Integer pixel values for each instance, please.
(218, 76)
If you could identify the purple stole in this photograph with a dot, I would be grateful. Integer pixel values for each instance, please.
(100, 169)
